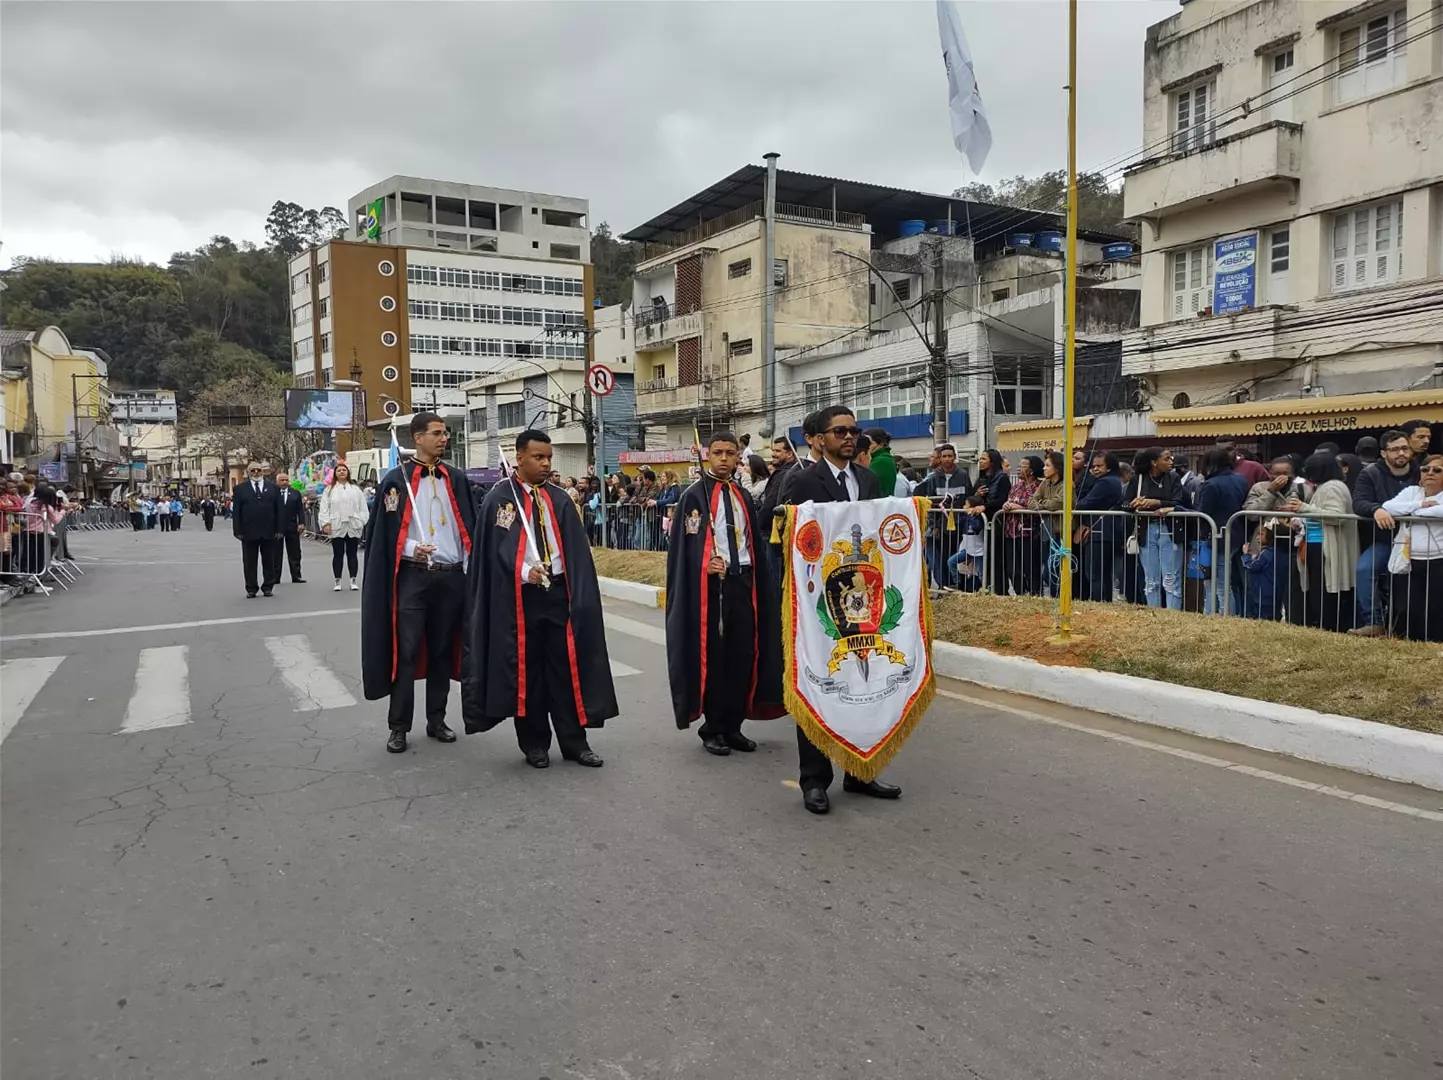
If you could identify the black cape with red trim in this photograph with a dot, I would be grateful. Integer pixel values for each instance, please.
(385, 534)
(493, 683)
(689, 593)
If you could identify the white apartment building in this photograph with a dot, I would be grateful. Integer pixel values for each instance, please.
(454, 282)
(1291, 206)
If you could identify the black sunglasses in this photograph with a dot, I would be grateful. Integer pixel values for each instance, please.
(842, 432)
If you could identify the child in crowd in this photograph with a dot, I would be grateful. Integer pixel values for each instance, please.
(965, 567)
(1258, 586)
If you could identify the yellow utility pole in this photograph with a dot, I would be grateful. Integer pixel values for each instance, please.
(1069, 361)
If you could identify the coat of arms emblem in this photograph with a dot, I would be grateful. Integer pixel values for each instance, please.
(857, 607)
(393, 501)
(693, 523)
(505, 516)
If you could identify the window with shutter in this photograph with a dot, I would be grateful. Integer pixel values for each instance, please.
(1279, 262)
(1368, 246)
(1194, 125)
(1371, 56)
(1192, 281)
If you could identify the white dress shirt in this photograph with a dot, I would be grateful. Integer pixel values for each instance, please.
(852, 490)
(433, 519)
(533, 556)
(722, 542)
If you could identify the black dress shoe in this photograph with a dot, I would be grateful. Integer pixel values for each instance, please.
(878, 789)
(590, 758)
(440, 732)
(716, 744)
(250, 596)
(815, 799)
(266, 592)
(538, 759)
(741, 742)
(298, 581)
(396, 744)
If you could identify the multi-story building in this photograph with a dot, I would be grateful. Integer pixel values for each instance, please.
(856, 268)
(1291, 204)
(551, 396)
(447, 284)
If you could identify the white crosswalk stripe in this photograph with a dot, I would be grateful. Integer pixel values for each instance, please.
(162, 690)
(315, 685)
(22, 678)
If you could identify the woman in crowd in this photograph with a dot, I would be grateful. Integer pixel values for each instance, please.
(666, 500)
(11, 503)
(1019, 553)
(994, 488)
(40, 514)
(755, 474)
(1156, 492)
(1327, 559)
(1047, 500)
(343, 519)
(1424, 545)
(1223, 492)
(1100, 536)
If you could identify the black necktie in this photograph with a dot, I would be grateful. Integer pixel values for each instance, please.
(842, 484)
(728, 515)
(543, 546)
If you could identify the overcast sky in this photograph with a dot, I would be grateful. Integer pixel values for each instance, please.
(146, 128)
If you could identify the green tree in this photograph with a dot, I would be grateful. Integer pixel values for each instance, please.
(214, 416)
(1099, 205)
(238, 294)
(291, 228)
(613, 260)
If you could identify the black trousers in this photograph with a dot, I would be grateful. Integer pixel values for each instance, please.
(730, 653)
(209, 522)
(344, 547)
(293, 555)
(429, 607)
(548, 674)
(268, 553)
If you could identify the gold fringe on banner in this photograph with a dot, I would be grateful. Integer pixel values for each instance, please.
(864, 768)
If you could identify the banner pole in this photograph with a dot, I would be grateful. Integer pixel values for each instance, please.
(1064, 543)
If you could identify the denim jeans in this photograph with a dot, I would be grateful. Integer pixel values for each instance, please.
(1373, 569)
(1162, 567)
(969, 584)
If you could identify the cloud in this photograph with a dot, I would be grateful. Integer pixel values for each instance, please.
(147, 127)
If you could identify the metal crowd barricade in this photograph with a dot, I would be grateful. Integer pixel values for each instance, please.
(27, 558)
(1282, 576)
(630, 526)
(955, 546)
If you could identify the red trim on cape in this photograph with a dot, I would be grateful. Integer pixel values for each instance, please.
(396, 574)
(570, 636)
(456, 511)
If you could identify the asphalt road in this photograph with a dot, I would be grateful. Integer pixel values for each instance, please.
(221, 873)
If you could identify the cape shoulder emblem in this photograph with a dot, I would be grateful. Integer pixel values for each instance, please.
(505, 516)
(393, 501)
(693, 523)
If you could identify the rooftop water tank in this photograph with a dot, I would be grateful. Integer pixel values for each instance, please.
(944, 228)
(1049, 241)
(911, 227)
(1019, 239)
(1121, 250)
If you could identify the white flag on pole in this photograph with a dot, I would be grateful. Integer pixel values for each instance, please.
(970, 131)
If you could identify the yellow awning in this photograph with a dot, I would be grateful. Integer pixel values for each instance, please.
(1301, 416)
(1039, 436)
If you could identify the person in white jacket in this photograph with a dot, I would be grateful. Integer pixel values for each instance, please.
(343, 519)
(1423, 540)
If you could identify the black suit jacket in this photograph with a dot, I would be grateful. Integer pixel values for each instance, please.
(817, 484)
(292, 510)
(256, 517)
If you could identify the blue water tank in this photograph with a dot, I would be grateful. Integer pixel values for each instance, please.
(911, 227)
(596, 302)
(1049, 241)
(1019, 239)
(1122, 250)
(944, 228)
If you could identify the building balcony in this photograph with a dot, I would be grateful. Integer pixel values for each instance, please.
(1214, 168)
(1202, 342)
(659, 327)
(659, 397)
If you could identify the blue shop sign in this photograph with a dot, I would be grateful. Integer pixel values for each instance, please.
(1235, 274)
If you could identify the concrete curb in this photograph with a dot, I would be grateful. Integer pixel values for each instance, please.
(633, 592)
(1411, 757)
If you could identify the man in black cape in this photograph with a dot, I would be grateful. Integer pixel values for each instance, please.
(536, 644)
(413, 594)
(723, 635)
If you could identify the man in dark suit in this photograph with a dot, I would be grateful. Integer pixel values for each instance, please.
(832, 479)
(256, 522)
(293, 515)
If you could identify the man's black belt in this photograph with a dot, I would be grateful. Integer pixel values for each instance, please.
(740, 571)
(421, 565)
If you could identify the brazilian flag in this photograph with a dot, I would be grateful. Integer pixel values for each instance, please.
(373, 220)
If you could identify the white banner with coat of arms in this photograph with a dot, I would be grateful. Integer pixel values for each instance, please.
(857, 627)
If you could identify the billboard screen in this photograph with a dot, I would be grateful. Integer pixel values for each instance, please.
(319, 410)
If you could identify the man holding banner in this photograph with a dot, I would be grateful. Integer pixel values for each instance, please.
(721, 634)
(855, 618)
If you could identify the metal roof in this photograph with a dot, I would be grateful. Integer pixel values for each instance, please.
(14, 337)
(883, 207)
